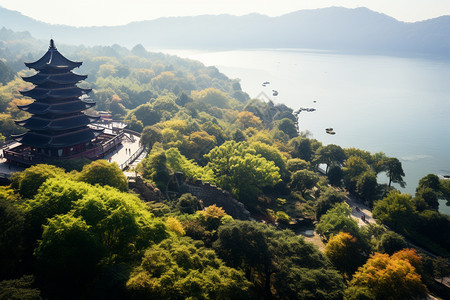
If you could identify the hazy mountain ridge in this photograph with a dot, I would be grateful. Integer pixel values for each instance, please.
(335, 28)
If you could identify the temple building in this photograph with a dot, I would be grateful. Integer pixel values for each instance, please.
(58, 128)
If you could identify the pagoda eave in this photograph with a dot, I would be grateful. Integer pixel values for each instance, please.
(37, 140)
(66, 107)
(42, 93)
(40, 124)
(55, 79)
(52, 59)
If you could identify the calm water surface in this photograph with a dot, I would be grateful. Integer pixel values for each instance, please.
(399, 106)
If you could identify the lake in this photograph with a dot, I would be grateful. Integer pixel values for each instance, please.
(396, 105)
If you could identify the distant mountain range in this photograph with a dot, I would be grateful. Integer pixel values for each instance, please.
(357, 30)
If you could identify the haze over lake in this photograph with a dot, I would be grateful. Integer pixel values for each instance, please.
(400, 106)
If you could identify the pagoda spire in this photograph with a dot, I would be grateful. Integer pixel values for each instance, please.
(52, 45)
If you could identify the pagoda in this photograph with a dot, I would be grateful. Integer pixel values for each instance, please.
(58, 128)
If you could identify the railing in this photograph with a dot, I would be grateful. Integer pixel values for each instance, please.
(126, 130)
(132, 158)
(28, 158)
(6, 144)
(113, 142)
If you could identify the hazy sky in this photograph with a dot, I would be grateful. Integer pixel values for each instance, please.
(117, 12)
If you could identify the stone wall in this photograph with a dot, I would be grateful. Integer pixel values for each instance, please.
(210, 194)
(146, 190)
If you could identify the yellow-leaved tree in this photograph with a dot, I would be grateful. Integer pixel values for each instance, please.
(388, 277)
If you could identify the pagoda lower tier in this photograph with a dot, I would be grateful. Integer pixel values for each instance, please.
(98, 147)
(53, 124)
(60, 141)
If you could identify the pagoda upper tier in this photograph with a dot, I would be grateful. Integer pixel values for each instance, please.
(53, 61)
(61, 79)
(58, 123)
(68, 107)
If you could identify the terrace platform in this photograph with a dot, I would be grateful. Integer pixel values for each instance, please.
(116, 144)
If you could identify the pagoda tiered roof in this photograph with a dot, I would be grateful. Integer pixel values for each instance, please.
(58, 141)
(74, 106)
(53, 60)
(62, 93)
(39, 123)
(64, 78)
(57, 119)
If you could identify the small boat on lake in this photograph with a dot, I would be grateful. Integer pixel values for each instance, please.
(330, 131)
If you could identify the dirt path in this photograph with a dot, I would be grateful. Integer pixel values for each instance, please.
(316, 240)
(360, 211)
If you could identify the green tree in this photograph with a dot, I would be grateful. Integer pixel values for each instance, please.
(11, 233)
(271, 154)
(338, 219)
(104, 173)
(429, 196)
(287, 126)
(146, 114)
(154, 167)
(211, 96)
(28, 182)
(445, 190)
(395, 210)
(441, 268)
(327, 200)
(238, 169)
(354, 167)
(391, 242)
(430, 181)
(366, 186)
(121, 222)
(335, 175)
(55, 197)
(180, 268)
(302, 148)
(188, 204)
(150, 136)
(238, 136)
(277, 262)
(134, 124)
(330, 155)
(431, 224)
(363, 154)
(297, 164)
(303, 180)
(394, 170)
(179, 163)
(23, 288)
(68, 243)
(429, 189)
